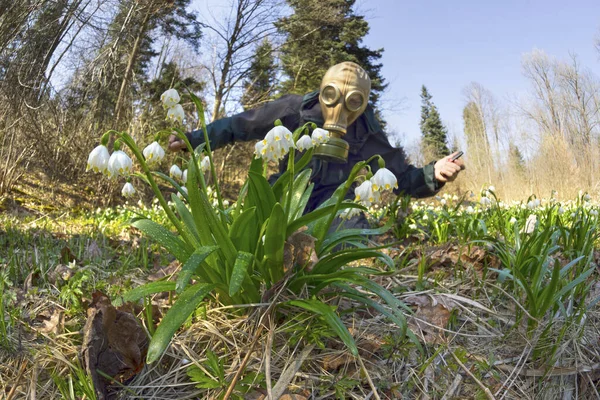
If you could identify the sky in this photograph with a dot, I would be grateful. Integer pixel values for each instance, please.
(447, 44)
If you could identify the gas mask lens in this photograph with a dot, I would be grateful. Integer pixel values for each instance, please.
(354, 101)
(330, 95)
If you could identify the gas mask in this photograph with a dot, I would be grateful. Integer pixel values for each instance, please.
(343, 97)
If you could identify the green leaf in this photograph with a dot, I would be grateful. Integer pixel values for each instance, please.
(300, 184)
(143, 291)
(335, 261)
(240, 271)
(187, 218)
(164, 237)
(343, 235)
(302, 203)
(244, 231)
(331, 318)
(184, 306)
(192, 265)
(203, 381)
(315, 215)
(274, 242)
(260, 195)
(284, 179)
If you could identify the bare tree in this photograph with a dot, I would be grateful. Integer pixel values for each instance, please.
(233, 42)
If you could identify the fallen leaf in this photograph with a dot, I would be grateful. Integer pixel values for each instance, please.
(428, 317)
(113, 342)
(50, 320)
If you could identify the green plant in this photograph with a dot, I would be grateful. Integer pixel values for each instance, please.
(238, 254)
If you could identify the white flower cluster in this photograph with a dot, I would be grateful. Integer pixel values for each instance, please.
(276, 144)
(369, 191)
(170, 100)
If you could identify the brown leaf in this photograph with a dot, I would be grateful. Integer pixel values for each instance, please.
(66, 255)
(332, 362)
(114, 343)
(51, 320)
(300, 250)
(92, 250)
(429, 316)
(161, 272)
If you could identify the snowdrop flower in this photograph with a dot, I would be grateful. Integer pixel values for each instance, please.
(470, 210)
(175, 172)
(225, 203)
(170, 98)
(491, 189)
(485, 201)
(594, 212)
(530, 224)
(176, 113)
(275, 145)
(384, 179)
(533, 204)
(119, 163)
(153, 153)
(561, 211)
(320, 136)
(513, 220)
(587, 197)
(184, 190)
(413, 227)
(443, 201)
(128, 190)
(454, 198)
(365, 194)
(184, 176)
(98, 159)
(425, 217)
(348, 213)
(304, 143)
(205, 164)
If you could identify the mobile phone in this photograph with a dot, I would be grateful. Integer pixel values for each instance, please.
(457, 156)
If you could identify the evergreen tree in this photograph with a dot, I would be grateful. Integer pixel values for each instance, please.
(320, 34)
(260, 84)
(516, 160)
(434, 135)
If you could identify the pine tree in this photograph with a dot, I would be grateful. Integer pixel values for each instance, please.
(434, 135)
(320, 34)
(516, 160)
(259, 86)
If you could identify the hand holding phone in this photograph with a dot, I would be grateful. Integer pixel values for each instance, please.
(457, 156)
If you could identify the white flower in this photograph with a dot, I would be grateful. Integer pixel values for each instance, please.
(275, 145)
(320, 136)
(513, 220)
(153, 152)
(384, 179)
(533, 204)
(175, 172)
(561, 211)
(128, 190)
(470, 210)
(587, 197)
(176, 113)
(443, 201)
(348, 213)
(594, 212)
(98, 159)
(530, 224)
(485, 201)
(184, 190)
(365, 194)
(413, 227)
(184, 176)
(304, 143)
(170, 98)
(119, 164)
(205, 164)
(491, 189)
(425, 217)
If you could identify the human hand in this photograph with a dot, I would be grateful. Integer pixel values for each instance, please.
(175, 143)
(447, 170)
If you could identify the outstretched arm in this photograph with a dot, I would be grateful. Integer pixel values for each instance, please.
(248, 125)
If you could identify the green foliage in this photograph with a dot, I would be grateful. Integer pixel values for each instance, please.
(319, 35)
(434, 135)
(240, 253)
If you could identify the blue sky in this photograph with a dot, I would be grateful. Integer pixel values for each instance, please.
(448, 44)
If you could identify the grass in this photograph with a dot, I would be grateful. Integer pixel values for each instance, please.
(474, 345)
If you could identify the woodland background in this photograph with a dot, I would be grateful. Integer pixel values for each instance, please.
(72, 69)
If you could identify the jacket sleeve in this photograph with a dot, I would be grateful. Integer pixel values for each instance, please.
(417, 182)
(250, 125)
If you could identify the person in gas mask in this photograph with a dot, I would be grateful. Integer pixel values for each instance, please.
(341, 107)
